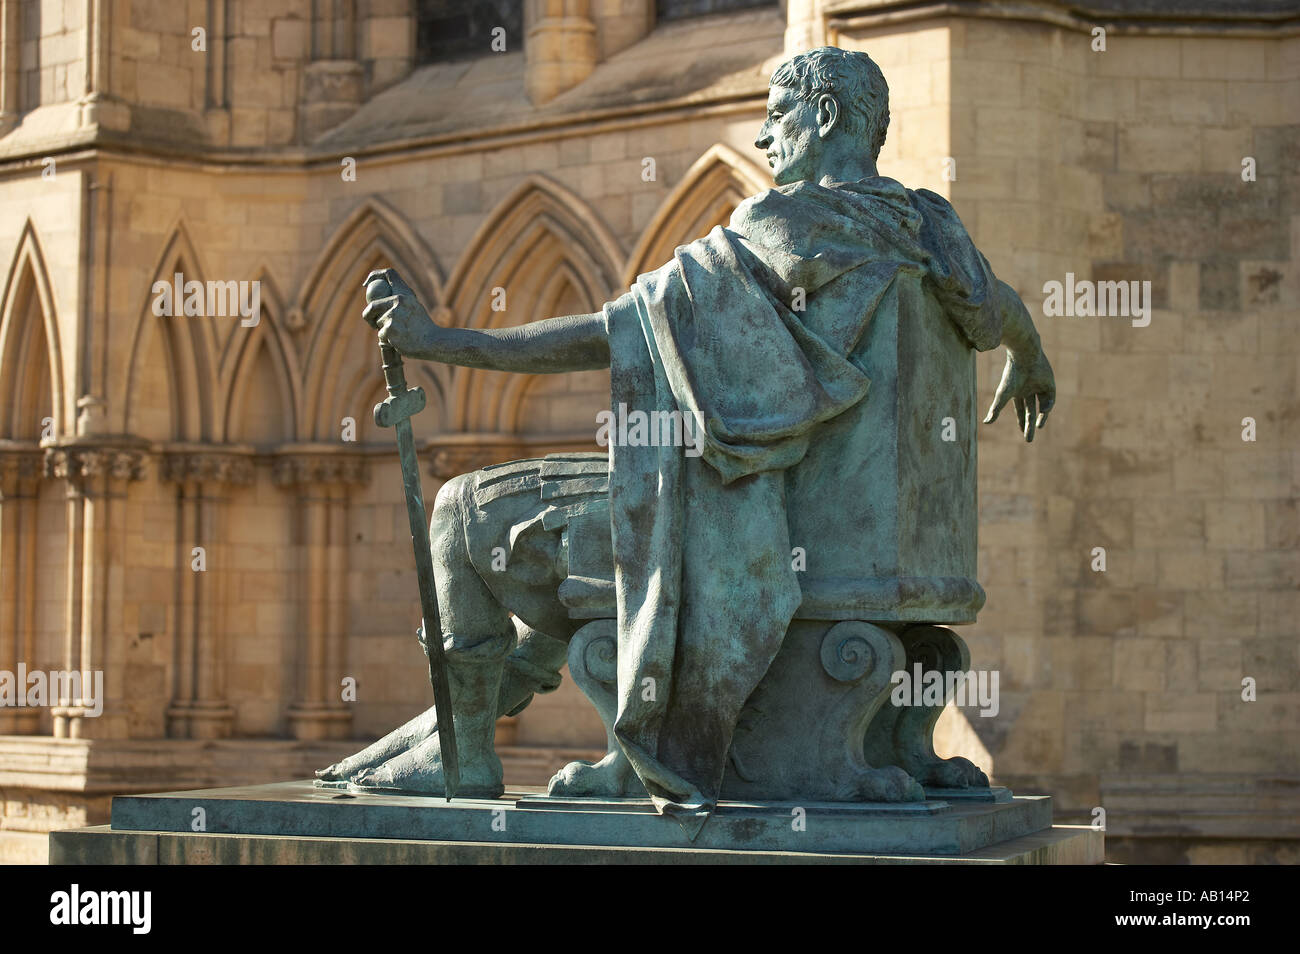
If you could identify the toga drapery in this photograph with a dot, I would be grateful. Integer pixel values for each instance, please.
(751, 331)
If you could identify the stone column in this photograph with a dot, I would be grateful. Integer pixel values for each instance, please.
(20, 473)
(321, 483)
(216, 79)
(96, 476)
(10, 75)
(199, 708)
(216, 84)
(560, 47)
(333, 30)
(805, 26)
(99, 107)
(333, 83)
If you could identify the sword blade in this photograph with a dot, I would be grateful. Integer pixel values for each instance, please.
(432, 625)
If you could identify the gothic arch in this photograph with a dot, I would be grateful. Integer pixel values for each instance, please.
(24, 337)
(536, 233)
(506, 405)
(706, 196)
(188, 346)
(240, 363)
(340, 346)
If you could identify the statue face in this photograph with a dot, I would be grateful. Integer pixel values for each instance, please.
(790, 137)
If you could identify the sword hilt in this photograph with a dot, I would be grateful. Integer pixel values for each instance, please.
(394, 374)
(402, 402)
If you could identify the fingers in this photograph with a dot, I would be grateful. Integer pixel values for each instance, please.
(1031, 411)
(994, 409)
(383, 283)
(395, 282)
(388, 275)
(1045, 404)
(1020, 412)
(1000, 399)
(377, 309)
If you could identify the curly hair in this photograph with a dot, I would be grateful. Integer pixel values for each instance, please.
(852, 78)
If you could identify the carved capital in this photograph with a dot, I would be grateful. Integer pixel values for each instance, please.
(18, 465)
(81, 463)
(315, 469)
(207, 468)
(452, 460)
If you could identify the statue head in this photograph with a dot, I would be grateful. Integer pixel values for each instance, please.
(827, 115)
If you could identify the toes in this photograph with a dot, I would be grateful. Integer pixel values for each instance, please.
(364, 777)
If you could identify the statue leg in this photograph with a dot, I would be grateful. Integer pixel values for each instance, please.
(474, 668)
(390, 746)
(593, 664)
(904, 735)
(533, 666)
(475, 601)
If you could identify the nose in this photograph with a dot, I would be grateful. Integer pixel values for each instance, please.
(764, 138)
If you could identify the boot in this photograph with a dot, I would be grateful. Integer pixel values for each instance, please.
(474, 677)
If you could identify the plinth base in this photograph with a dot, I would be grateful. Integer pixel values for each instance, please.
(298, 823)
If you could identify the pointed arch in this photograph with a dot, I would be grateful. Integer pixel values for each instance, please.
(239, 363)
(24, 335)
(505, 406)
(537, 234)
(537, 202)
(706, 196)
(188, 346)
(340, 347)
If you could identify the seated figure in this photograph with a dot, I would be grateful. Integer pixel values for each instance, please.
(810, 537)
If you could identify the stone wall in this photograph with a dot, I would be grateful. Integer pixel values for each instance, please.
(1122, 688)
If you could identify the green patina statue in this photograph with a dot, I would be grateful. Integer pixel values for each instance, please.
(734, 600)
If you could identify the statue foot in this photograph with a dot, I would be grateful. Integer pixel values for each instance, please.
(390, 746)
(419, 772)
(515, 696)
(534, 666)
(956, 772)
(611, 777)
(888, 784)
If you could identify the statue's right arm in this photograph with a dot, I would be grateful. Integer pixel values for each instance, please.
(569, 343)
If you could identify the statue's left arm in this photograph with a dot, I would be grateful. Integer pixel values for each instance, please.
(1027, 377)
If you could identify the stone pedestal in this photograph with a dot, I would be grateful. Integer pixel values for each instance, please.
(297, 822)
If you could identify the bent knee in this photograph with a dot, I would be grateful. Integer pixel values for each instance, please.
(454, 499)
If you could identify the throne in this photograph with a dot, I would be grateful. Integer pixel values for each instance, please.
(883, 518)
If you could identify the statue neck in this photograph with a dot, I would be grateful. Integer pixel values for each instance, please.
(850, 167)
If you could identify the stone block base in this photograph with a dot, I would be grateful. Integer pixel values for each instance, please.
(298, 823)
(1059, 845)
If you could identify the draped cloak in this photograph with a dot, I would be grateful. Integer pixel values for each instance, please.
(751, 330)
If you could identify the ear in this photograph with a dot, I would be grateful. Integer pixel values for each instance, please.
(828, 113)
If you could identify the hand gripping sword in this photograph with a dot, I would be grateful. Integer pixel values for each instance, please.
(396, 411)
